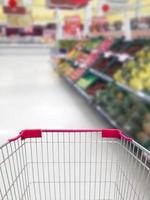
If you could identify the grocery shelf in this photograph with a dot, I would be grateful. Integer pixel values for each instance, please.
(88, 51)
(68, 80)
(78, 89)
(102, 113)
(101, 75)
(83, 93)
(88, 99)
(108, 59)
(107, 78)
(145, 33)
(85, 50)
(90, 102)
(139, 94)
(70, 61)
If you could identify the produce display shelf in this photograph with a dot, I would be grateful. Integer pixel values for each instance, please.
(139, 94)
(78, 89)
(68, 80)
(103, 67)
(83, 94)
(101, 75)
(88, 99)
(88, 51)
(107, 78)
(102, 113)
(85, 50)
(73, 63)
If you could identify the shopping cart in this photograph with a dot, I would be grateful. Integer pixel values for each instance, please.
(74, 165)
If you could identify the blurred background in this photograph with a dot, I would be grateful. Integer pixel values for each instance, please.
(75, 64)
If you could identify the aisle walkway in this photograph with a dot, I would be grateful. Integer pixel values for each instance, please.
(32, 95)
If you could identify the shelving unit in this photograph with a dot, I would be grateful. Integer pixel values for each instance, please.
(107, 78)
(101, 75)
(88, 100)
(139, 94)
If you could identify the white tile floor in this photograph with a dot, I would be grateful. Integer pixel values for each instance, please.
(32, 95)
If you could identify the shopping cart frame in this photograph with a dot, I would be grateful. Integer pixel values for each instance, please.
(134, 152)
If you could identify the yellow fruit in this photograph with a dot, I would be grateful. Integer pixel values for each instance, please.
(146, 84)
(147, 69)
(148, 55)
(142, 75)
(136, 84)
(118, 75)
(131, 64)
(133, 72)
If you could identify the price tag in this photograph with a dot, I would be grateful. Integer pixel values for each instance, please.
(123, 57)
(108, 54)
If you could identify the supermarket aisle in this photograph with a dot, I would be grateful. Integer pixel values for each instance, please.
(34, 96)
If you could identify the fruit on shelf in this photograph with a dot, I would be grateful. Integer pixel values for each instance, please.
(91, 58)
(62, 65)
(93, 43)
(68, 70)
(136, 72)
(136, 84)
(133, 49)
(94, 87)
(66, 44)
(127, 111)
(81, 44)
(101, 63)
(113, 66)
(104, 46)
(87, 80)
(144, 54)
(73, 54)
(81, 57)
(65, 68)
(77, 73)
(107, 65)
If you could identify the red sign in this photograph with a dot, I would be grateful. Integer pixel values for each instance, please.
(72, 25)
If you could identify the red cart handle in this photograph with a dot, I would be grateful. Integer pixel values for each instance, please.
(37, 133)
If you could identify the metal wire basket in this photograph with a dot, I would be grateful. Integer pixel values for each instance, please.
(74, 165)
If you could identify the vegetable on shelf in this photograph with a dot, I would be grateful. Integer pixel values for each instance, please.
(87, 80)
(129, 113)
(66, 44)
(99, 85)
